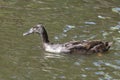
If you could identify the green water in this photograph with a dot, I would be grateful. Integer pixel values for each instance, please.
(22, 58)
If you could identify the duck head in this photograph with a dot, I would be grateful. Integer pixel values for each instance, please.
(39, 28)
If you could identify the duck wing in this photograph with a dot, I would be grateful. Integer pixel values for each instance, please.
(88, 46)
(99, 46)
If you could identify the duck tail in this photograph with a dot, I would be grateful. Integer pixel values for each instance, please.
(108, 45)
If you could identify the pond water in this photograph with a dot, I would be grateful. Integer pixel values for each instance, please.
(22, 58)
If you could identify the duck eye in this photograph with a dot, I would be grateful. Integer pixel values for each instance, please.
(34, 28)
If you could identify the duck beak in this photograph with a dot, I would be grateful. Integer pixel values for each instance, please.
(28, 32)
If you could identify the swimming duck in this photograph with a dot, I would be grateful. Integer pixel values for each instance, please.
(82, 47)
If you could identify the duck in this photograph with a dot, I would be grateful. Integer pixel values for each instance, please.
(81, 47)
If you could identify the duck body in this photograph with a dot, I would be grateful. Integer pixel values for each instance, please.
(81, 47)
(55, 48)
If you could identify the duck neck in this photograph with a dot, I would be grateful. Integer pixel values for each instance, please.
(44, 36)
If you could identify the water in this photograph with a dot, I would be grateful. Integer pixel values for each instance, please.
(22, 58)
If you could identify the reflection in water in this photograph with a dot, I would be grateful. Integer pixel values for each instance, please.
(52, 55)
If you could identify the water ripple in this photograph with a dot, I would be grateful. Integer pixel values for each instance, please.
(68, 28)
(116, 10)
(52, 55)
(113, 66)
(90, 23)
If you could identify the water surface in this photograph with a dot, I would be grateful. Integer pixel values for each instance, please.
(22, 58)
